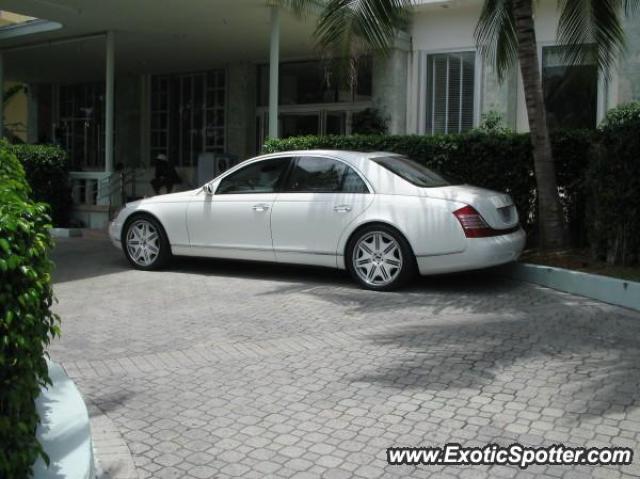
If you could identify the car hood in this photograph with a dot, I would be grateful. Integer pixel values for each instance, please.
(496, 208)
(168, 198)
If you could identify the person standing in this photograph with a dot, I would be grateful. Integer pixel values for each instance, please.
(165, 174)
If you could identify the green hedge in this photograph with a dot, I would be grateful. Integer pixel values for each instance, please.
(497, 160)
(26, 321)
(614, 185)
(47, 171)
(572, 150)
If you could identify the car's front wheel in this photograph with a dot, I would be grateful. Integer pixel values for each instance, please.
(145, 243)
(380, 258)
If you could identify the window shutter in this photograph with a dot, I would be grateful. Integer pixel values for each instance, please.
(468, 87)
(450, 91)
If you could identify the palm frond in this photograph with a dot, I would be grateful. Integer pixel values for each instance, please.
(595, 27)
(12, 91)
(496, 37)
(369, 23)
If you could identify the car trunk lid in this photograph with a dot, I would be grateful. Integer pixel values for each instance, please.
(496, 208)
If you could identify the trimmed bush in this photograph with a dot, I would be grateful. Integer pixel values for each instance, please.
(497, 160)
(614, 185)
(47, 171)
(26, 321)
(571, 151)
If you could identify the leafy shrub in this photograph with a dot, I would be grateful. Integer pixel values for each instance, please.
(493, 121)
(623, 116)
(614, 182)
(47, 171)
(497, 160)
(26, 321)
(571, 151)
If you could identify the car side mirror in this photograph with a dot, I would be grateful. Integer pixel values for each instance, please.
(208, 188)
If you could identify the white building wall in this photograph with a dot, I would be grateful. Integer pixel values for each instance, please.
(389, 85)
(450, 26)
(627, 86)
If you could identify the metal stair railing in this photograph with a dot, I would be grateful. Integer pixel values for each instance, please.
(112, 189)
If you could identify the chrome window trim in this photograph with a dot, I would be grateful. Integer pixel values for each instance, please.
(288, 154)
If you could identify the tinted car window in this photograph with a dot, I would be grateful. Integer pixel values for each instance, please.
(323, 175)
(413, 172)
(260, 177)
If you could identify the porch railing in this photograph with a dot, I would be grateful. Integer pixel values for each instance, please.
(101, 191)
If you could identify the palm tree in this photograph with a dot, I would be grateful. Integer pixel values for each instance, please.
(345, 25)
(505, 35)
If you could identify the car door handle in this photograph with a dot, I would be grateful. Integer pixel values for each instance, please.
(260, 207)
(342, 208)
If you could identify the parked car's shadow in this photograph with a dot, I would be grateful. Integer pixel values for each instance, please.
(259, 270)
(83, 258)
(337, 286)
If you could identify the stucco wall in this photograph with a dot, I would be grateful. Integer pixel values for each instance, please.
(628, 85)
(389, 85)
(500, 95)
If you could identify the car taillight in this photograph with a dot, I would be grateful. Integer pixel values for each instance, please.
(473, 223)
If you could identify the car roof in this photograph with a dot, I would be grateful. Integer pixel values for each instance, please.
(357, 158)
(378, 177)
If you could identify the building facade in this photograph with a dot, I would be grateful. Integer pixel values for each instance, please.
(118, 83)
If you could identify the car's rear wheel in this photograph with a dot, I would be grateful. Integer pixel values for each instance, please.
(145, 243)
(380, 258)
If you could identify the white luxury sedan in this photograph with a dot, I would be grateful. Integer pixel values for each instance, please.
(381, 216)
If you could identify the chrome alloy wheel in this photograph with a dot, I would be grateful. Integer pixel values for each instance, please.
(143, 242)
(377, 258)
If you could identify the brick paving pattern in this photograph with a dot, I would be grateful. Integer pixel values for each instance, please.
(218, 369)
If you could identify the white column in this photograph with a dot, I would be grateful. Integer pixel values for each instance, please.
(108, 102)
(274, 63)
(1, 96)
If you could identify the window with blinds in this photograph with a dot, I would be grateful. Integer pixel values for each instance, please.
(450, 90)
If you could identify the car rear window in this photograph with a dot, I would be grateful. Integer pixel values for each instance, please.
(413, 172)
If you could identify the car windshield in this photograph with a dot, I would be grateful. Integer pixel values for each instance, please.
(413, 172)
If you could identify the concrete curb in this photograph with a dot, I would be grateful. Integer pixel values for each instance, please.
(614, 291)
(112, 455)
(64, 430)
(66, 232)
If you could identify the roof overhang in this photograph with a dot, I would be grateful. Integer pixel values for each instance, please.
(151, 36)
(28, 28)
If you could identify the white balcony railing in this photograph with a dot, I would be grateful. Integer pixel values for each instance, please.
(91, 188)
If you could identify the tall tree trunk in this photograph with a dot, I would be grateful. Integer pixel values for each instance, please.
(550, 215)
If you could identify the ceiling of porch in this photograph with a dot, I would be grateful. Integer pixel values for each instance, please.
(152, 36)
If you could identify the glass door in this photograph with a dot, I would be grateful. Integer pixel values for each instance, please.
(81, 129)
(188, 115)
